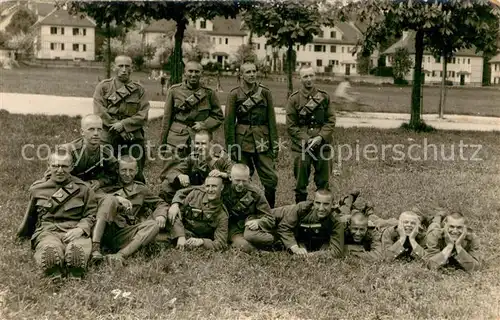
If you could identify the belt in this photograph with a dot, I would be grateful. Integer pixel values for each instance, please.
(188, 123)
(253, 123)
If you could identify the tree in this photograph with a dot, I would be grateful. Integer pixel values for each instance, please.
(245, 53)
(387, 18)
(4, 37)
(285, 23)
(21, 21)
(402, 64)
(198, 44)
(181, 12)
(363, 64)
(21, 43)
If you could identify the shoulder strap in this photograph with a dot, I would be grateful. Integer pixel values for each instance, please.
(122, 93)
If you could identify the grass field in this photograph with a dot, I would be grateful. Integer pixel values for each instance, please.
(82, 82)
(230, 285)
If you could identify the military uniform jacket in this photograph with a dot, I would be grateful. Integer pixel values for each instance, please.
(394, 250)
(206, 220)
(127, 103)
(248, 205)
(89, 165)
(142, 199)
(251, 120)
(185, 106)
(309, 114)
(467, 259)
(294, 219)
(370, 248)
(198, 168)
(57, 207)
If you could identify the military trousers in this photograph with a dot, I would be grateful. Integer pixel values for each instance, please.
(248, 240)
(135, 148)
(266, 169)
(303, 162)
(51, 250)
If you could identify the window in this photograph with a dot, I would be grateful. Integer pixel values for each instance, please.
(84, 47)
(429, 59)
(84, 32)
(333, 34)
(318, 48)
(321, 34)
(319, 63)
(333, 48)
(333, 62)
(75, 47)
(203, 24)
(227, 40)
(298, 48)
(52, 46)
(433, 73)
(309, 47)
(438, 60)
(220, 40)
(53, 30)
(75, 31)
(441, 73)
(454, 60)
(62, 30)
(62, 46)
(258, 46)
(463, 61)
(468, 61)
(453, 74)
(342, 49)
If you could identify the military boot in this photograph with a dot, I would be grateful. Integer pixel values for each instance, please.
(96, 256)
(75, 260)
(51, 264)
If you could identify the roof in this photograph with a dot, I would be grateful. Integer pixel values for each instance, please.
(61, 17)
(350, 35)
(220, 53)
(227, 27)
(408, 41)
(495, 58)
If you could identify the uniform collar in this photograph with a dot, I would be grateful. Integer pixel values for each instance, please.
(187, 86)
(214, 203)
(252, 89)
(308, 93)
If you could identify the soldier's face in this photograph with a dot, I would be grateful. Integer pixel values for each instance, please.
(201, 144)
(249, 73)
(358, 228)
(127, 171)
(307, 78)
(92, 131)
(60, 167)
(193, 73)
(409, 222)
(322, 205)
(123, 68)
(455, 227)
(239, 179)
(213, 187)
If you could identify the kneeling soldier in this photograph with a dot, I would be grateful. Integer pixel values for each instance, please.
(452, 243)
(122, 223)
(311, 226)
(195, 168)
(200, 216)
(406, 240)
(59, 219)
(361, 238)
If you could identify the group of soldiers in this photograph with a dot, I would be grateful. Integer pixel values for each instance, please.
(93, 203)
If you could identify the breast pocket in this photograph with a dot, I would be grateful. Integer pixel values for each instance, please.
(203, 111)
(74, 205)
(131, 106)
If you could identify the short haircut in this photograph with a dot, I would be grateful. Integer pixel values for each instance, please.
(88, 117)
(127, 159)
(246, 63)
(358, 214)
(218, 178)
(121, 56)
(455, 215)
(204, 132)
(306, 67)
(324, 192)
(192, 61)
(241, 167)
(61, 151)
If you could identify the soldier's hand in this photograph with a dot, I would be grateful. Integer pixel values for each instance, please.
(181, 242)
(173, 211)
(117, 126)
(217, 173)
(95, 184)
(161, 221)
(125, 203)
(314, 141)
(198, 125)
(401, 231)
(194, 242)
(298, 250)
(252, 224)
(183, 180)
(73, 234)
(414, 232)
(447, 237)
(461, 239)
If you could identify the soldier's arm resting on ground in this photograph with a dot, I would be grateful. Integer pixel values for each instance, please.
(28, 225)
(392, 250)
(417, 252)
(167, 116)
(273, 127)
(287, 225)
(336, 243)
(100, 106)
(216, 117)
(469, 259)
(230, 122)
(220, 235)
(266, 221)
(90, 212)
(327, 129)
(434, 256)
(292, 122)
(138, 120)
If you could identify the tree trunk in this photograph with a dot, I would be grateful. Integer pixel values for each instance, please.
(177, 68)
(442, 98)
(108, 51)
(275, 61)
(289, 62)
(250, 38)
(415, 119)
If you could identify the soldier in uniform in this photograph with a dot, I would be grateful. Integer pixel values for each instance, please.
(406, 240)
(200, 216)
(123, 107)
(94, 163)
(362, 238)
(189, 107)
(310, 120)
(451, 243)
(194, 169)
(251, 129)
(122, 220)
(59, 219)
(311, 226)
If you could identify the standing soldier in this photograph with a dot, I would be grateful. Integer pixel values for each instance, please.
(251, 125)
(189, 107)
(123, 107)
(310, 120)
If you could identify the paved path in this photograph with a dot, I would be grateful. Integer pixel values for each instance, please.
(73, 106)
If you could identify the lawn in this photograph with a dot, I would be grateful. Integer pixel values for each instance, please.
(82, 82)
(231, 285)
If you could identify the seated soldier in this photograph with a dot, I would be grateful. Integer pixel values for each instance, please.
(451, 243)
(361, 238)
(406, 240)
(59, 219)
(200, 216)
(193, 169)
(310, 226)
(122, 222)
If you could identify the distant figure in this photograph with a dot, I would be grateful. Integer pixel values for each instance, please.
(342, 91)
(163, 83)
